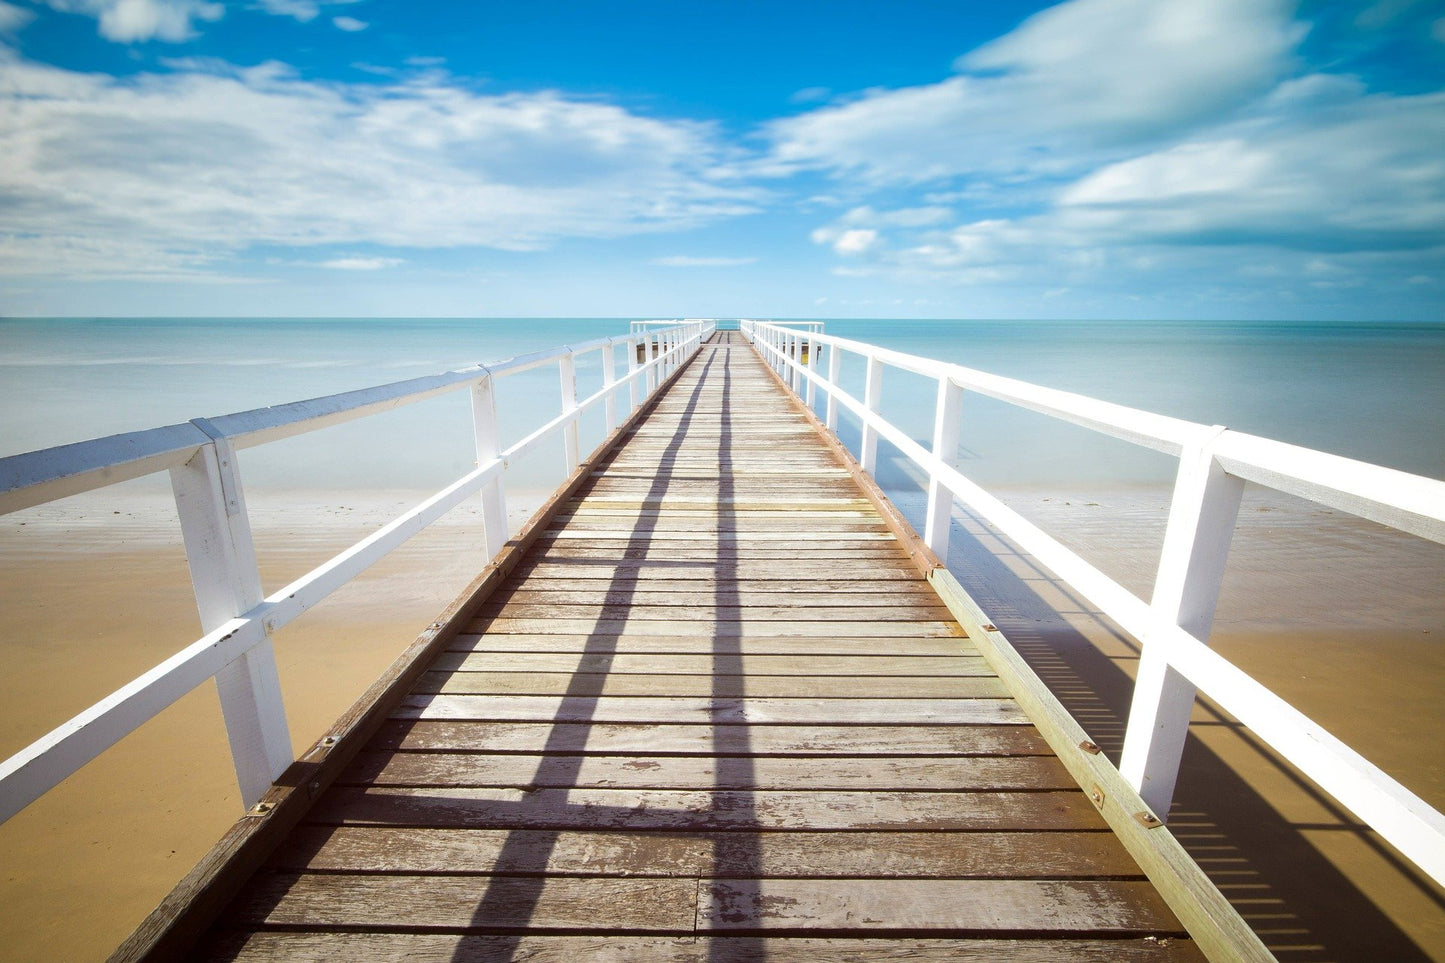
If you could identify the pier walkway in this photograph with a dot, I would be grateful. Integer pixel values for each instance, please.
(710, 708)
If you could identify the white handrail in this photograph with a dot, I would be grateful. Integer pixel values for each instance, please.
(237, 622)
(1173, 628)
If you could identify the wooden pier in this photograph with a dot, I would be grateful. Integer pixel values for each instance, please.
(707, 707)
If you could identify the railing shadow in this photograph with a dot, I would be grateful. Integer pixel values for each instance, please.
(1299, 903)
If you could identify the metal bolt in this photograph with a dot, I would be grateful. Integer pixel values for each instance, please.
(990, 627)
(1097, 795)
(1089, 747)
(1148, 820)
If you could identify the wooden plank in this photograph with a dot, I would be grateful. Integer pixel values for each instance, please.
(726, 593)
(695, 811)
(843, 539)
(968, 773)
(632, 739)
(328, 947)
(598, 627)
(630, 642)
(869, 664)
(715, 711)
(744, 573)
(666, 904)
(801, 611)
(466, 902)
(796, 855)
(669, 502)
(673, 686)
(756, 561)
(723, 527)
(1123, 907)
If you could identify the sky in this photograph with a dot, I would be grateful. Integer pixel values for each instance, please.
(1250, 159)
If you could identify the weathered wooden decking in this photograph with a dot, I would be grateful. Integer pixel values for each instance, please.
(714, 713)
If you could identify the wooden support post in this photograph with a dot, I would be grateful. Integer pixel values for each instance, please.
(947, 420)
(835, 371)
(489, 445)
(872, 393)
(651, 357)
(1202, 517)
(609, 378)
(227, 583)
(570, 444)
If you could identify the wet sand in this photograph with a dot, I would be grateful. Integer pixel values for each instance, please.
(1341, 618)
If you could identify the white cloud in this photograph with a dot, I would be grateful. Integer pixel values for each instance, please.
(1080, 80)
(902, 217)
(810, 95)
(361, 263)
(849, 242)
(13, 18)
(197, 166)
(1364, 175)
(685, 261)
(130, 21)
(303, 11)
(349, 24)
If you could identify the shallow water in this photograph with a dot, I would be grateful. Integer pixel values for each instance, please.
(1372, 391)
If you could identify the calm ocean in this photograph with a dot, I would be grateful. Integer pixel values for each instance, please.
(1370, 391)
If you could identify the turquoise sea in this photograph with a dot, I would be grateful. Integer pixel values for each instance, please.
(1373, 391)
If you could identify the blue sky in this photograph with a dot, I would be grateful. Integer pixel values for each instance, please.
(1094, 158)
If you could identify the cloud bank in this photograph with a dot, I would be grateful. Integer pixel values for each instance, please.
(180, 169)
(1118, 136)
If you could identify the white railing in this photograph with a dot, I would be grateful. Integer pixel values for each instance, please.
(1173, 627)
(236, 619)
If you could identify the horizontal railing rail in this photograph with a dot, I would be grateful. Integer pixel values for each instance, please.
(237, 621)
(1174, 626)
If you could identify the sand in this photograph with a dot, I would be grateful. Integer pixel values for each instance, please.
(1340, 617)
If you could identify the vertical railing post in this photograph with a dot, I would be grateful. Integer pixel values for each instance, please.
(835, 371)
(1202, 516)
(812, 367)
(222, 558)
(652, 370)
(947, 419)
(609, 380)
(634, 389)
(567, 363)
(489, 445)
(872, 394)
(795, 355)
